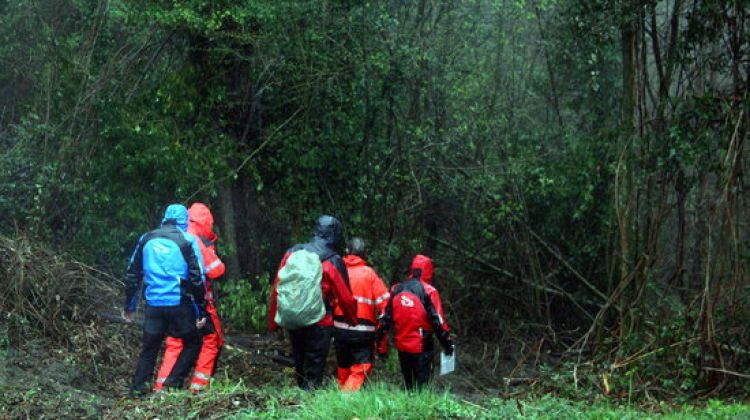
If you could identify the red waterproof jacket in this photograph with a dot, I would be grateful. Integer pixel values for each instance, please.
(201, 225)
(370, 293)
(415, 311)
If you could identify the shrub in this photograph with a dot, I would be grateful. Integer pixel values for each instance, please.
(243, 306)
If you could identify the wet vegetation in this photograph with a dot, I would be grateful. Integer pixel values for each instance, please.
(575, 168)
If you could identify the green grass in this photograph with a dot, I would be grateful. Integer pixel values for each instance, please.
(386, 402)
(228, 399)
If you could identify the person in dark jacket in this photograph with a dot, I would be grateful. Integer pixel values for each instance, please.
(310, 344)
(168, 261)
(200, 225)
(415, 312)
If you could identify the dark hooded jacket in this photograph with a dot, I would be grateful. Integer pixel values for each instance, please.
(168, 260)
(327, 237)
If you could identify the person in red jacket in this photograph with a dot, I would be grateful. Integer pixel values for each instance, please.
(415, 312)
(310, 344)
(354, 343)
(200, 225)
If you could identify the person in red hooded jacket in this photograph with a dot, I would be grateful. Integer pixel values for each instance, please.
(415, 312)
(200, 225)
(310, 344)
(354, 343)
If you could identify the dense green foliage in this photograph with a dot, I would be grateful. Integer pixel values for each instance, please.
(242, 306)
(576, 168)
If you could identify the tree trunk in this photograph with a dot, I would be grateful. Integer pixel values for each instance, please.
(624, 204)
(229, 235)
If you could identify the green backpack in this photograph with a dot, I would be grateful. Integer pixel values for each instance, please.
(299, 296)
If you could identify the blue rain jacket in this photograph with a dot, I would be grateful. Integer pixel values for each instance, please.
(168, 261)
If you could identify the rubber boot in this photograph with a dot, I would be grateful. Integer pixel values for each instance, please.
(343, 375)
(357, 377)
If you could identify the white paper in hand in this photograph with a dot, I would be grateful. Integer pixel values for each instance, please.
(447, 363)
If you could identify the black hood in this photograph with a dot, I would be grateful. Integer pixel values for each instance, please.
(327, 240)
(330, 231)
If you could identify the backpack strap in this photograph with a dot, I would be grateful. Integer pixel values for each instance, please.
(207, 242)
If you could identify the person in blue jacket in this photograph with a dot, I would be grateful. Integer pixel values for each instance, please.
(169, 262)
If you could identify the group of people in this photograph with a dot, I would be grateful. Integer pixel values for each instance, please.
(177, 263)
(316, 295)
(358, 312)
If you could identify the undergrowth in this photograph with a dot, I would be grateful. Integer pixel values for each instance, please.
(383, 401)
(243, 306)
(59, 359)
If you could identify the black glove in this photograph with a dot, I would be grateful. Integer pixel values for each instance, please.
(448, 347)
(446, 341)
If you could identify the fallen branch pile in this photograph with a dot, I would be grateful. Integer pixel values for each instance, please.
(42, 293)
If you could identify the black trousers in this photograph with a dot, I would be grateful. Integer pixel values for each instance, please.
(310, 348)
(353, 347)
(416, 368)
(180, 322)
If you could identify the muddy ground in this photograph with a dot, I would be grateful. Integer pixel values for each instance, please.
(89, 377)
(65, 352)
(41, 379)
